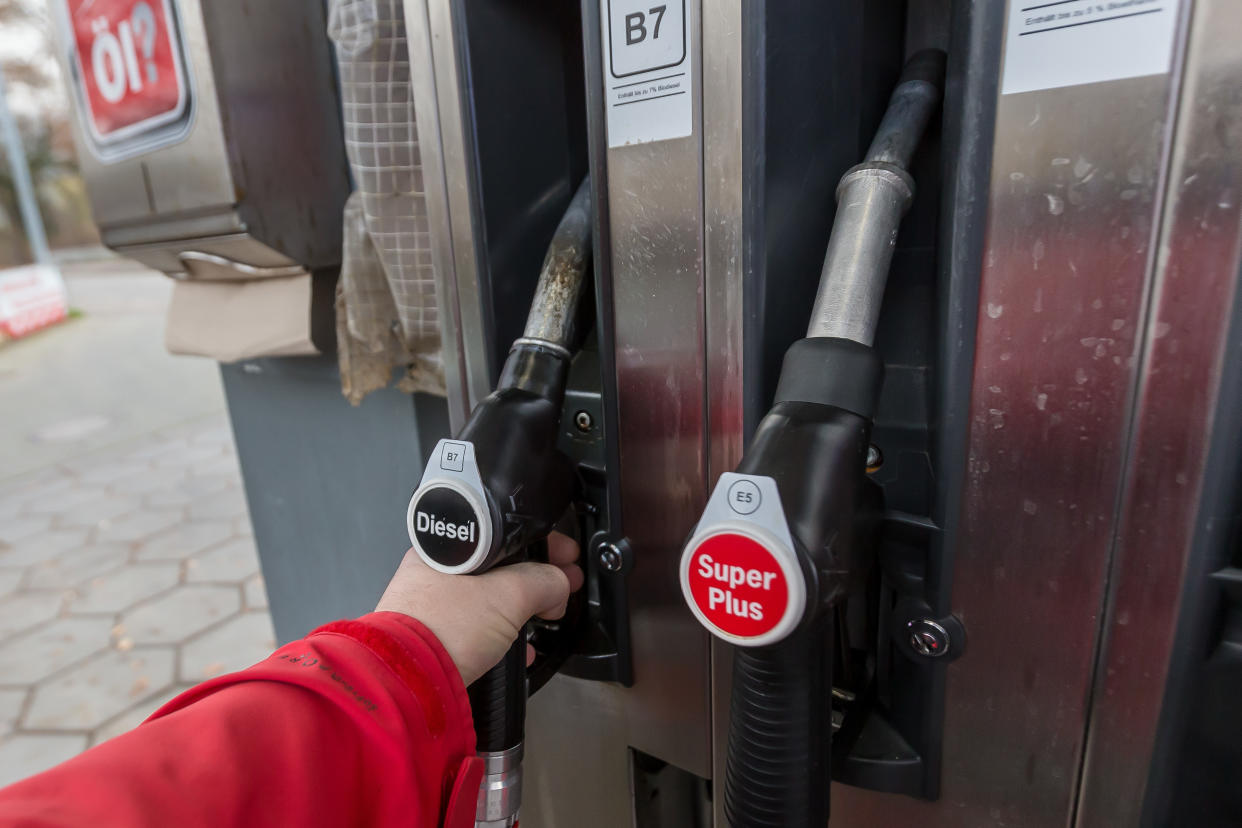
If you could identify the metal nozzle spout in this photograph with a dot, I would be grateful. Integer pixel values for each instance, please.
(871, 199)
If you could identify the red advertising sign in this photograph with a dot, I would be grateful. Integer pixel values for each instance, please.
(738, 586)
(31, 297)
(129, 62)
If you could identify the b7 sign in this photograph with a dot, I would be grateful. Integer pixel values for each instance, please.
(129, 65)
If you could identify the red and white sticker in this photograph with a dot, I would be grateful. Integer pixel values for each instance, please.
(740, 590)
(129, 61)
(31, 297)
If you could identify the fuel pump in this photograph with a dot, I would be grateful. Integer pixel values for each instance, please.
(785, 537)
(493, 492)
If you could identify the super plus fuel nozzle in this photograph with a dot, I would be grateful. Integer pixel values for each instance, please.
(778, 545)
(501, 485)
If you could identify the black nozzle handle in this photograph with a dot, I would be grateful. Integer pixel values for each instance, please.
(498, 701)
(777, 770)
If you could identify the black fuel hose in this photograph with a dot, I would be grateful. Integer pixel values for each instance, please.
(777, 771)
(498, 702)
(812, 444)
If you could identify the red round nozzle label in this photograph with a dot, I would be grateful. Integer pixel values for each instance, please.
(737, 585)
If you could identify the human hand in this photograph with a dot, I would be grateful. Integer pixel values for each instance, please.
(477, 617)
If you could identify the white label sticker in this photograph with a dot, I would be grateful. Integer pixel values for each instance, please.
(647, 73)
(1050, 44)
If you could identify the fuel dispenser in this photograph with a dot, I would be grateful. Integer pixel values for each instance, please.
(789, 537)
(1051, 456)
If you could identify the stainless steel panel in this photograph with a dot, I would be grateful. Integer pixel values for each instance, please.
(239, 247)
(445, 227)
(580, 732)
(577, 758)
(1074, 196)
(724, 277)
(655, 204)
(1191, 297)
(456, 155)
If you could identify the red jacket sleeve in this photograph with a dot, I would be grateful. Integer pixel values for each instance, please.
(361, 723)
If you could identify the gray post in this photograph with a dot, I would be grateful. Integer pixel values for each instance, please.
(32, 220)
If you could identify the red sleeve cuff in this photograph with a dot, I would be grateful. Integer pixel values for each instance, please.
(394, 679)
(421, 663)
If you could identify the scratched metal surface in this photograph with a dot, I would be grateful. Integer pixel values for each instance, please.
(580, 732)
(724, 275)
(1074, 195)
(655, 194)
(1192, 295)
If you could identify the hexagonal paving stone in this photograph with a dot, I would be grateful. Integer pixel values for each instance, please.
(11, 702)
(183, 541)
(15, 529)
(220, 435)
(148, 480)
(228, 562)
(25, 610)
(31, 656)
(28, 754)
(138, 526)
(108, 471)
(157, 447)
(119, 590)
(77, 566)
(225, 464)
(227, 504)
(188, 455)
(63, 501)
(192, 489)
(234, 645)
(39, 486)
(136, 715)
(95, 512)
(179, 614)
(43, 547)
(255, 592)
(86, 696)
(9, 579)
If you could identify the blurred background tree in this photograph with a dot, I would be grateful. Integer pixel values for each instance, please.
(39, 99)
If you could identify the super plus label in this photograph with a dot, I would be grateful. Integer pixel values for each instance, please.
(738, 585)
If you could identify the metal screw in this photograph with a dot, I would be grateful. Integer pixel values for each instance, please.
(928, 638)
(610, 557)
(583, 421)
(874, 458)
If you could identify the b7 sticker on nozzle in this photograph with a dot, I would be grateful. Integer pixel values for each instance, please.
(648, 82)
(447, 517)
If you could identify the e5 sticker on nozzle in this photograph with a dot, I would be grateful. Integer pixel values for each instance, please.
(739, 572)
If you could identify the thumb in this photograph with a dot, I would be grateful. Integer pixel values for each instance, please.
(525, 589)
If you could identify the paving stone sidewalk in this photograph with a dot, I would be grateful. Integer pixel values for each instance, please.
(125, 576)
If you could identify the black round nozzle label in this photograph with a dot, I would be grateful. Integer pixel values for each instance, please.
(446, 527)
